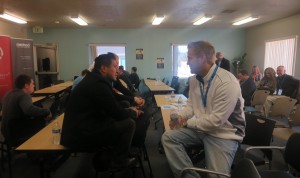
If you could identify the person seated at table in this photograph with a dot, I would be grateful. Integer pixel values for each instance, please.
(284, 83)
(268, 82)
(256, 74)
(134, 78)
(94, 118)
(247, 86)
(78, 79)
(20, 118)
(124, 71)
(213, 117)
(123, 77)
(126, 99)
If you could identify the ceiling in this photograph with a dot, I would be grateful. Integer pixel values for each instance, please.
(140, 13)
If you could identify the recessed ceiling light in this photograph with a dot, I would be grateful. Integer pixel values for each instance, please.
(246, 20)
(78, 20)
(12, 18)
(158, 19)
(202, 20)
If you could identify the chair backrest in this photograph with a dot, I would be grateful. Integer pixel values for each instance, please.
(292, 151)
(259, 97)
(282, 107)
(258, 132)
(174, 81)
(245, 169)
(295, 117)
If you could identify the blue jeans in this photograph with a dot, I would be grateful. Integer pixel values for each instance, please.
(219, 153)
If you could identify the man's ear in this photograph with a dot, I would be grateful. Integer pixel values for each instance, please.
(103, 69)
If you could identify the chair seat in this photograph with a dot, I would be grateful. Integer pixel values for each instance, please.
(275, 174)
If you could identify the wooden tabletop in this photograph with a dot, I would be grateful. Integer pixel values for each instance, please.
(165, 100)
(65, 84)
(42, 141)
(37, 98)
(55, 89)
(153, 82)
(156, 86)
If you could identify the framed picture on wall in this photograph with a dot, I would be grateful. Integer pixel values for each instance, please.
(139, 54)
(160, 63)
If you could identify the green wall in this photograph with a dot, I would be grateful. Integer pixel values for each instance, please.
(74, 51)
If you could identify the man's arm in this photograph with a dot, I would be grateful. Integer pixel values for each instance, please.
(29, 109)
(224, 102)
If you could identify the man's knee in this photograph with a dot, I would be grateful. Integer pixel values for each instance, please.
(165, 137)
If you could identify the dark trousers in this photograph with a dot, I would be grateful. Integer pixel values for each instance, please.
(123, 134)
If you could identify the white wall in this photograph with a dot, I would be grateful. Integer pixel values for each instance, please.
(256, 37)
(13, 30)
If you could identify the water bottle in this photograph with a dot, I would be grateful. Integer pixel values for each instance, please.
(172, 96)
(180, 102)
(56, 133)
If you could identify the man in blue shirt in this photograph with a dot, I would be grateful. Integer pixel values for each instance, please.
(78, 79)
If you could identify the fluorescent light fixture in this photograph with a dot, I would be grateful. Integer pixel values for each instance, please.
(246, 20)
(12, 18)
(202, 20)
(79, 21)
(157, 20)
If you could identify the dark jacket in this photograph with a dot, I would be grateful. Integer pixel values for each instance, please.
(286, 83)
(248, 87)
(134, 79)
(127, 81)
(20, 118)
(91, 112)
(225, 64)
(126, 94)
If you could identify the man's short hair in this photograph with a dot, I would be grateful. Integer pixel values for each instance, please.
(21, 80)
(243, 72)
(103, 60)
(134, 69)
(84, 72)
(203, 48)
(121, 67)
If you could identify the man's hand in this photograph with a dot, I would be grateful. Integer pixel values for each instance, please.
(177, 123)
(139, 101)
(138, 112)
(182, 122)
(49, 117)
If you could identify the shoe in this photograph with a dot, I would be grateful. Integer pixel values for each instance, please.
(130, 162)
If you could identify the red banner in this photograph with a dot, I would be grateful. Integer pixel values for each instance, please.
(6, 80)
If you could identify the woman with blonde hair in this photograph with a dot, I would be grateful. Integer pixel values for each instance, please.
(256, 74)
(268, 82)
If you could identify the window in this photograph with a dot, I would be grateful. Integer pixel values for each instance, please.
(180, 67)
(281, 52)
(118, 49)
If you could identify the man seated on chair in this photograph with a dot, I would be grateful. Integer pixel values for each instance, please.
(78, 79)
(134, 78)
(21, 119)
(125, 79)
(247, 86)
(213, 116)
(93, 117)
(284, 82)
